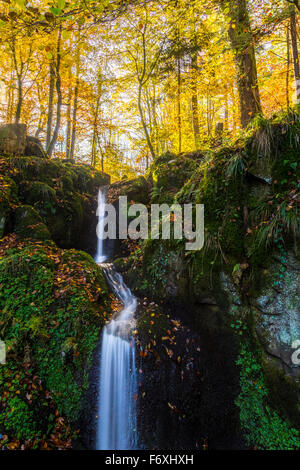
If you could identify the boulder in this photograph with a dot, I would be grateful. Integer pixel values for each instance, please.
(13, 139)
(136, 190)
(34, 148)
(29, 224)
(277, 318)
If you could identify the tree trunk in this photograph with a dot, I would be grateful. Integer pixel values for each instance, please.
(75, 104)
(19, 73)
(68, 135)
(20, 101)
(74, 117)
(95, 133)
(295, 55)
(149, 143)
(59, 96)
(288, 60)
(194, 75)
(50, 105)
(226, 112)
(179, 106)
(241, 38)
(195, 114)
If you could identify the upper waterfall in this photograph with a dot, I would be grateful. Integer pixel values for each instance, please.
(100, 257)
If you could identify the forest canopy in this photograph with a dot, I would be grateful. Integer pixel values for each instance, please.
(116, 83)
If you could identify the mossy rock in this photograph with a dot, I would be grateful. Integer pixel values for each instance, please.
(8, 195)
(54, 327)
(65, 222)
(28, 224)
(169, 173)
(274, 149)
(284, 392)
(39, 192)
(136, 190)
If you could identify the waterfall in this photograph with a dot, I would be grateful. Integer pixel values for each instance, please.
(117, 423)
(100, 258)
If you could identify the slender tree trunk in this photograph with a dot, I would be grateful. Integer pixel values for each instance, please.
(179, 106)
(75, 104)
(50, 105)
(194, 75)
(19, 74)
(59, 96)
(68, 134)
(153, 106)
(102, 154)
(11, 99)
(74, 118)
(149, 143)
(95, 133)
(295, 55)
(20, 101)
(241, 38)
(288, 63)
(226, 112)
(195, 113)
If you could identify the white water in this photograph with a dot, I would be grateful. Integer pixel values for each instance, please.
(100, 258)
(117, 423)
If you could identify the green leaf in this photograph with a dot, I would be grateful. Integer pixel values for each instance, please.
(21, 4)
(236, 268)
(56, 11)
(61, 4)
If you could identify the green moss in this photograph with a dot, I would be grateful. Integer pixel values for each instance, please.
(50, 317)
(57, 190)
(136, 190)
(28, 224)
(263, 426)
(40, 193)
(169, 173)
(8, 196)
(283, 392)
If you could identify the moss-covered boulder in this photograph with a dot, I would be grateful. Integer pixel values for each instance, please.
(29, 224)
(53, 304)
(8, 196)
(37, 192)
(136, 190)
(34, 148)
(63, 194)
(13, 139)
(169, 173)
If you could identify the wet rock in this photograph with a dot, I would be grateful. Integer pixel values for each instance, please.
(13, 139)
(277, 313)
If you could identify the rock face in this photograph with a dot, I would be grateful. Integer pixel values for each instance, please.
(13, 139)
(277, 313)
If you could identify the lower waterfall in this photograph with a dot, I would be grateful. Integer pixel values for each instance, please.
(117, 420)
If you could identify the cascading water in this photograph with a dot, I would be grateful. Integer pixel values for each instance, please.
(117, 423)
(100, 257)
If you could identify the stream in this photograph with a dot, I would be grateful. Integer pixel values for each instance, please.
(117, 422)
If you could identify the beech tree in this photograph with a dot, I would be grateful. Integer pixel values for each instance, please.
(242, 42)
